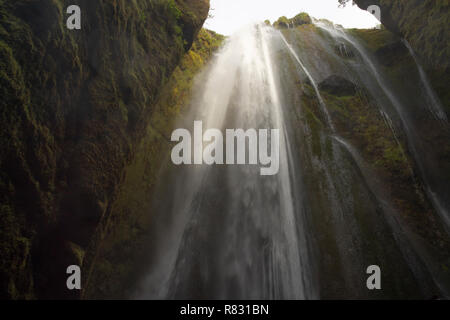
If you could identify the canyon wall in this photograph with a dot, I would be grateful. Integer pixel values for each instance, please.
(425, 25)
(75, 105)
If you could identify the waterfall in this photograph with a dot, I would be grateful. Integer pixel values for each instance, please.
(433, 100)
(341, 34)
(425, 157)
(313, 83)
(234, 233)
(310, 231)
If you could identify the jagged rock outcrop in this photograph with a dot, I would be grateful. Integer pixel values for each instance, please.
(423, 23)
(75, 104)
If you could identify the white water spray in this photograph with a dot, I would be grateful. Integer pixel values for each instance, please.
(434, 103)
(313, 83)
(242, 234)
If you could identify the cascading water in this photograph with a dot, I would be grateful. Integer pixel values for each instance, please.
(313, 83)
(226, 232)
(415, 262)
(242, 235)
(425, 156)
(433, 101)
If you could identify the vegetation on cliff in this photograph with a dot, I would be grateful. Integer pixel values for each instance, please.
(298, 20)
(119, 259)
(425, 25)
(378, 147)
(75, 104)
(86, 119)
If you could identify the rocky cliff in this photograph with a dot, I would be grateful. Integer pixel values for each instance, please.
(121, 259)
(75, 105)
(425, 25)
(86, 115)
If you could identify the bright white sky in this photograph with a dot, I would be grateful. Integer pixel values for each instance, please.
(231, 15)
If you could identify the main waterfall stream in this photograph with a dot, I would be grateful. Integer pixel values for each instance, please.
(311, 231)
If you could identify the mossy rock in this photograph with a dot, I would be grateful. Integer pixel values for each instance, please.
(282, 22)
(118, 261)
(301, 19)
(298, 20)
(425, 24)
(75, 106)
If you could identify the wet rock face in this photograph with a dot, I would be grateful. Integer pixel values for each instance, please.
(344, 51)
(124, 249)
(338, 86)
(75, 104)
(388, 54)
(423, 23)
(192, 20)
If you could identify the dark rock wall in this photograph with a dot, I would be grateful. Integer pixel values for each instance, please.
(74, 106)
(122, 259)
(425, 24)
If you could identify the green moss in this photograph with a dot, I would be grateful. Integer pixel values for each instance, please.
(314, 123)
(282, 22)
(424, 24)
(364, 125)
(397, 64)
(374, 39)
(74, 107)
(300, 19)
(127, 236)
